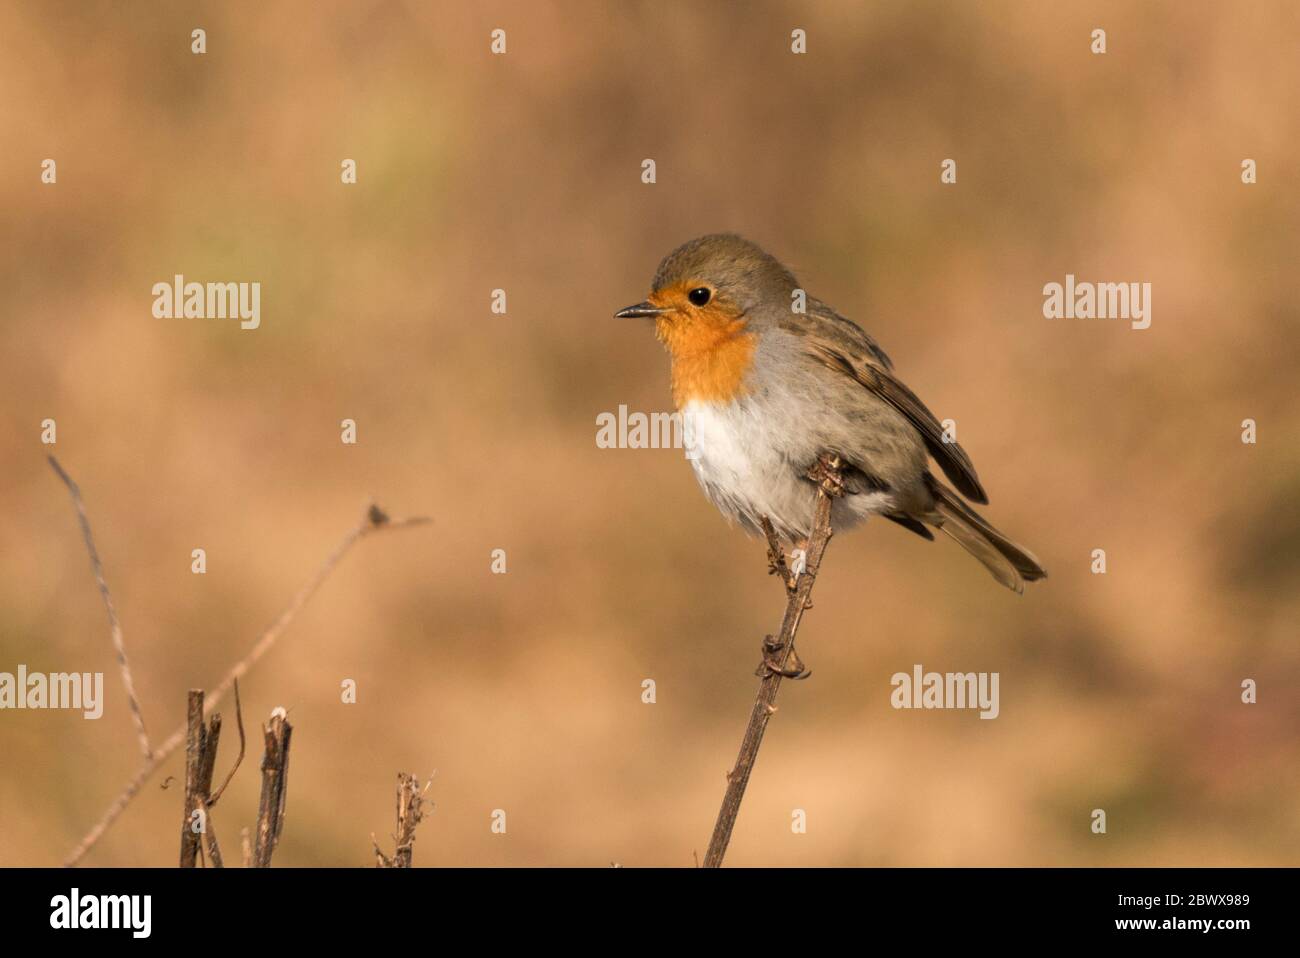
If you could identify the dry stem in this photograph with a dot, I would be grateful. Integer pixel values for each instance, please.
(200, 763)
(275, 782)
(194, 751)
(410, 810)
(827, 476)
(373, 520)
(114, 626)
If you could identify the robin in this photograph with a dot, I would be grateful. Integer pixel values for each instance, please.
(767, 389)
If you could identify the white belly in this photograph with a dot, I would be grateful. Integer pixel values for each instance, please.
(749, 470)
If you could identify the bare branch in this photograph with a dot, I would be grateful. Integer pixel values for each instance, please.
(210, 741)
(778, 656)
(275, 773)
(239, 721)
(373, 520)
(200, 760)
(410, 810)
(211, 738)
(210, 837)
(193, 773)
(114, 626)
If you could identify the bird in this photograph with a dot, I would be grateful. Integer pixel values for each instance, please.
(768, 379)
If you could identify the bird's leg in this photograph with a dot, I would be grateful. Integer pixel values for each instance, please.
(771, 664)
(776, 564)
(826, 473)
(772, 648)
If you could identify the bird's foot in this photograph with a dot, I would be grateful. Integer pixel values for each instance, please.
(776, 564)
(826, 473)
(791, 668)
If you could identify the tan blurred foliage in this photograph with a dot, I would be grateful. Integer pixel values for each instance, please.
(522, 172)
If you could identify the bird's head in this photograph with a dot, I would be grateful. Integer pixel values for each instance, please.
(712, 286)
(708, 298)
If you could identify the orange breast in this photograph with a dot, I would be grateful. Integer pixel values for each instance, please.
(710, 361)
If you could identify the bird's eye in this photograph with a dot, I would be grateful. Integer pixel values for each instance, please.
(700, 295)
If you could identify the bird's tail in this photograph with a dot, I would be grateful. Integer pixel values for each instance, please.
(1011, 564)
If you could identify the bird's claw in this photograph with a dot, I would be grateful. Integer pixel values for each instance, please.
(826, 473)
(776, 564)
(792, 668)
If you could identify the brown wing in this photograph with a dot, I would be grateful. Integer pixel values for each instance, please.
(952, 459)
(822, 319)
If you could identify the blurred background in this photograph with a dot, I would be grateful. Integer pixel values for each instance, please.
(523, 172)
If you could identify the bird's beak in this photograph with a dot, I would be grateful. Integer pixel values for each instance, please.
(646, 310)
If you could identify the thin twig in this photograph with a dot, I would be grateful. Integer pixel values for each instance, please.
(275, 774)
(200, 762)
(372, 521)
(239, 721)
(211, 739)
(194, 752)
(776, 564)
(410, 810)
(114, 626)
(210, 837)
(776, 657)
